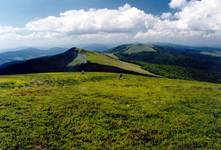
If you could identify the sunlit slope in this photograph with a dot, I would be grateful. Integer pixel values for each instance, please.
(129, 49)
(100, 111)
(102, 59)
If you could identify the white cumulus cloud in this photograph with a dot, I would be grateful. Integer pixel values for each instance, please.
(124, 19)
(196, 22)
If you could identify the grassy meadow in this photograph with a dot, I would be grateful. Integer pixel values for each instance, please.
(101, 111)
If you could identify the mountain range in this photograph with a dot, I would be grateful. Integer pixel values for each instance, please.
(74, 59)
(170, 61)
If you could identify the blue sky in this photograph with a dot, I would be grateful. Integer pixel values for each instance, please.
(18, 12)
(49, 23)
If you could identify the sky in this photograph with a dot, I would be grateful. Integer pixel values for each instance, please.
(50, 23)
(18, 12)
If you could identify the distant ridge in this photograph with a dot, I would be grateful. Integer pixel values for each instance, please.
(73, 60)
(28, 53)
(43, 64)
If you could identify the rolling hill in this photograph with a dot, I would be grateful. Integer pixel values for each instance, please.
(132, 49)
(74, 59)
(105, 62)
(173, 61)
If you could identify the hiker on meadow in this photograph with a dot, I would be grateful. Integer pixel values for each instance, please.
(121, 76)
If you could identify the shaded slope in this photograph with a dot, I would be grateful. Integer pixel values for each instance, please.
(43, 64)
(176, 61)
(28, 53)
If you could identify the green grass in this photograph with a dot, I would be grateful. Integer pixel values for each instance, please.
(177, 72)
(169, 71)
(99, 58)
(100, 111)
(139, 48)
(103, 59)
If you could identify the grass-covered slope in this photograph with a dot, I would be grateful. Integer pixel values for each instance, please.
(178, 72)
(100, 111)
(104, 63)
(129, 49)
(173, 61)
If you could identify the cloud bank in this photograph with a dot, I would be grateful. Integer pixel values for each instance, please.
(195, 22)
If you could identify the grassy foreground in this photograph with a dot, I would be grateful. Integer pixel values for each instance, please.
(100, 111)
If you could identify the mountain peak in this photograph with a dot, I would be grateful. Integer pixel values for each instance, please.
(133, 48)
